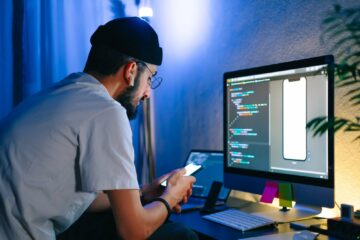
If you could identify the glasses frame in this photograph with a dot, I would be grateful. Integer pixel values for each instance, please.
(153, 81)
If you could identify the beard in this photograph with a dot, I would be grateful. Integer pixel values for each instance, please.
(126, 99)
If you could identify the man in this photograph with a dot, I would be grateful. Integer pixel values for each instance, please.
(69, 148)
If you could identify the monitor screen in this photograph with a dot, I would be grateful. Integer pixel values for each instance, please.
(266, 110)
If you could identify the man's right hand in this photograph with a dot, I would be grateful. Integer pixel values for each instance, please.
(179, 189)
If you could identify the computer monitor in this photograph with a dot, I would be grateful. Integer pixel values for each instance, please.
(265, 138)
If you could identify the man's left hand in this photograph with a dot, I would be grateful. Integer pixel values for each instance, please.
(154, 189)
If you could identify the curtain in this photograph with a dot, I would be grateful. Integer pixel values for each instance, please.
(42, 41)
(6, 57)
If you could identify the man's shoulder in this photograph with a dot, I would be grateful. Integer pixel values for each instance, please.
(81, 97)
(83, 89)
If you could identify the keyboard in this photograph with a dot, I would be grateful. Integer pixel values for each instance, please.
(239, 220)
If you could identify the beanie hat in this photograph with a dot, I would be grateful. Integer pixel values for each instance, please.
(131, 36)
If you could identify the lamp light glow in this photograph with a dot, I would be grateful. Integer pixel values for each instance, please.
(184, 35)
(145, 12)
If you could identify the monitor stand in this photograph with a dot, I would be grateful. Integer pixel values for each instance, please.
(289, 215)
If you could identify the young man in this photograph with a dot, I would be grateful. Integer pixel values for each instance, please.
(69, 148)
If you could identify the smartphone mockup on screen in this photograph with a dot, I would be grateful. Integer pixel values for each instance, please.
(190, 170)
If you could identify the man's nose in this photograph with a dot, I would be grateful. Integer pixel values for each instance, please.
(147, 93)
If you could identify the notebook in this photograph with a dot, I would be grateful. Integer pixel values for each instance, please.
(212, 163)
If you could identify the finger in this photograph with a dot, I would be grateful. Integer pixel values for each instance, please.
(162, 178)
(167, 175)
(182, 171)
(178, 173)
(177, 208)
(192, 179)
(185, 199)
(189, 192)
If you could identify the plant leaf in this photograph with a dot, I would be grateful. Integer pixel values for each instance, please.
(343, 42)
(344, 83)
(341, 27)
(331, 28)
(350, 56)
(353, 91)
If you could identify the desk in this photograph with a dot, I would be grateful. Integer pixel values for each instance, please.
(211, 230)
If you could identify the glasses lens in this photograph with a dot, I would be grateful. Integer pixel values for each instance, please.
(155, 82)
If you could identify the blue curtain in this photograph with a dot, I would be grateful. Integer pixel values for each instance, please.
(6, 57)
(44, 40)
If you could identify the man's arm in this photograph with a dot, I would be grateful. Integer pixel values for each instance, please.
(134, 221)
(101, 203)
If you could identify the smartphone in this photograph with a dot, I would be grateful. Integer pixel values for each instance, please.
(190, 170)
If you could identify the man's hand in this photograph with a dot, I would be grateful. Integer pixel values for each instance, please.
(153, 190)
(178, 191)
(179, 188)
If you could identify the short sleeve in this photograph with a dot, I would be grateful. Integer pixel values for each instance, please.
(106, 153)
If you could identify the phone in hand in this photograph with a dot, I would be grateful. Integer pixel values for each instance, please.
(190, 170)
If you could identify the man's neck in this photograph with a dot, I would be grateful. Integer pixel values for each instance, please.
(111, 82)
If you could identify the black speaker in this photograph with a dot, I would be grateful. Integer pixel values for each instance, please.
(210, 204)
(337, 227)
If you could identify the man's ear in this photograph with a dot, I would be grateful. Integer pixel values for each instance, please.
(130, 73)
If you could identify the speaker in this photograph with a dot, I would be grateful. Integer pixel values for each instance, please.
(347, 212)
(210, 204)
(337, 227)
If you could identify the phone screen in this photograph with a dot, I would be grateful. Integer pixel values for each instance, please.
(190, 169)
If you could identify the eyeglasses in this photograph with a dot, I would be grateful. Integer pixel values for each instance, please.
(153, 81)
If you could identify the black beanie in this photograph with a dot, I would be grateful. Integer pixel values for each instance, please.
(131, 36)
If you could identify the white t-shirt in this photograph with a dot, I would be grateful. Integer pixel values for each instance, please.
(58, 149)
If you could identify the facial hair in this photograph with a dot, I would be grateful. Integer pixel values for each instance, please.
(126, 99)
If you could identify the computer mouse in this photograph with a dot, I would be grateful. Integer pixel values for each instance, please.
(305, 235)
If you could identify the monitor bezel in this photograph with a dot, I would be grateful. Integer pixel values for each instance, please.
(329, 60)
